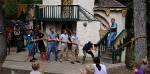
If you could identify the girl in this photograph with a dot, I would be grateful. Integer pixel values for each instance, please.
(99, 68)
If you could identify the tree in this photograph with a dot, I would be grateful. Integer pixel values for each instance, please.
(130, 52)
(140, 29)
(147, 71)
(30, 1)
(10, 8)
(2, 37)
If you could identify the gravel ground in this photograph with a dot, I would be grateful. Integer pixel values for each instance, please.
(116, 70)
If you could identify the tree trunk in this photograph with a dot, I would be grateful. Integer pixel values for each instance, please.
(147, 71)
(140, 29)
(2, 37)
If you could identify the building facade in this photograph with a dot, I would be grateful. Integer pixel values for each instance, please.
(89, 19)
(86, 27)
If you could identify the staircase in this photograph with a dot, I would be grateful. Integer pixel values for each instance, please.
(111, 54)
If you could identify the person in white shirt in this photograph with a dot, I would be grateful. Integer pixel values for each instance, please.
(64, 47)
(35, 68)
(75, 49)
(99, 68)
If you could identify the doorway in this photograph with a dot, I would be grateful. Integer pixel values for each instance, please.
(69, 26)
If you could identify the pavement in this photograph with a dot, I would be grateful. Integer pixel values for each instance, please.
(16, 62)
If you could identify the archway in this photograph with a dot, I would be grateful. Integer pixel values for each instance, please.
(104, 25)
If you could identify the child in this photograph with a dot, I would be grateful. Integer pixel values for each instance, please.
(35, 68)
(137, 69)
(89, 69)
(30, 46)
(143, 65)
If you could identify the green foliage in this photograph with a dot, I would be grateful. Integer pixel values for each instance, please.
(132, 59)
(30, 1)
(130, 54)
(10, 8)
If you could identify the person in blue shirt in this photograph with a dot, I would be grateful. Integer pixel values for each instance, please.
(113, 32)
(29, 39)
(52, 44)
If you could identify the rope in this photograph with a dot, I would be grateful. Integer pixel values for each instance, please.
(132, 40)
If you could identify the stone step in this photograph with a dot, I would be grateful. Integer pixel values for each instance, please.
(105, 57)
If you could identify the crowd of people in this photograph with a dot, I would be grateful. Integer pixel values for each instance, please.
(64, 40)
(67, 41)
(95, 68)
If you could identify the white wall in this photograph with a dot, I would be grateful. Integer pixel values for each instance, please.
(51, 2)
(120, 20)
(88, 33)
(87, 4)
(75, 2)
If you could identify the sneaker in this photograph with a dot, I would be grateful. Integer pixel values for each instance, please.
(82, 62)
(60, 60)
(34, 59)
(67, 59)
(78, 61)
(56, 61)
(72, 62)
(48, 61)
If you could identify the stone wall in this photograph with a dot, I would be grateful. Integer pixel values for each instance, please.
(90, 32)
(120, 20)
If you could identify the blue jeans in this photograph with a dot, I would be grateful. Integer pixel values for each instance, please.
(54, 47)
(111, 38)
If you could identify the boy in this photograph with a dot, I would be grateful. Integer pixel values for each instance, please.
(35, 68)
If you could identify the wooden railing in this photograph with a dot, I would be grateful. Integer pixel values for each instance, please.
(112, 51)
(57, 12)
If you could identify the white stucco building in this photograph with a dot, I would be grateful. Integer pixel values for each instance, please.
(107, 9)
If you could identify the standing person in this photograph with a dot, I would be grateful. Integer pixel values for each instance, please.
(64, 47)
(75, 49)
(52, 39)
(35, 68)
(99, 68)
(113, 32)
(143, 65)
(8, 40)
(41, 46)
(68, 51)
(29, 39)
(17, 37)
(87, 48)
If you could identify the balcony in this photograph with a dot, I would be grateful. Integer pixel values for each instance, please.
(57, 12)
(54, 12)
